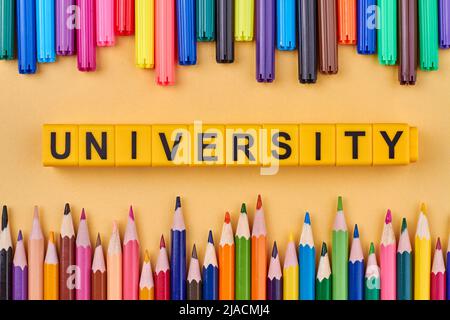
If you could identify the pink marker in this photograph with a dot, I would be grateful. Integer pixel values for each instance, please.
(86, 55)
(165, 42)
(388, 264)
(84, 260)
(131, 260)
(105, 23)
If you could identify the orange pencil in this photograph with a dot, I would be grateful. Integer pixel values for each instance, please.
(146, 287)
(51, 270)
(36, 260)
(346, 21)
(259, 254)
(226, 261)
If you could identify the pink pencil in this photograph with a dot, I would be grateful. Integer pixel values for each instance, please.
(388, 258)
(438, 275)
(84, 260)
(105, 23)
(131, 260)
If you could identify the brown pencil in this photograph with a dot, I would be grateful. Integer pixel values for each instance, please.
(98, 277)
(328, 52)
(408, 42)
(67, 265)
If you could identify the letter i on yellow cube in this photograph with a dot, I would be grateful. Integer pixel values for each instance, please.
(242, 143)
(208, 144)
(133, 145)
(96, 145)
(244, 20)
(317, 144)
(279, 145)
(60, 145)
(170, 145)
(145, 33)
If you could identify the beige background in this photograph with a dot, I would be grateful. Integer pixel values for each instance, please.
(118, 92)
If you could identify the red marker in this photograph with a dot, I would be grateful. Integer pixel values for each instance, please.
(124, 17)
(165, 42)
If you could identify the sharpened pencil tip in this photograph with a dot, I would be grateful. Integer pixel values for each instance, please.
(259, 202)
(162, 243)
(324, 249)
(372, 248)
(210, 237)
(66, 209)
(340, 207)
(194, 252)
(274, 250)
(307, 218)
(423, 208)
(115, 227)
(178, 203)
(404, 225)
(146, 257)
(20, 236)
(51, 237)
(99, 240)
(4, 217)
(36, 212)
(227, 217)
(244, 208)
(388, 218)
(83, 214)
(131, 213)
(438, 244)
(291, 237)
(356, 232)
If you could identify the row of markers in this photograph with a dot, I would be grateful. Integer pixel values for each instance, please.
(46, 28)
(240, 272)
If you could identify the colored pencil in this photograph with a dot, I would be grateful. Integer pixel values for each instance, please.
(372, 279)
(187, 39)
(130, 260)
(86, 42)
(6, 258)
(105, 23)
(146, 287)
(124, 17)
(307, 41)
(323, 279)
(206, 20)
(67, 257)
(145, 33)
(51, 270)
(165, 42)
(98, 276)
(307, 261)
(7, 29)
(259, 253)
(340, 255)
(428, 33)
(45, 31)
(162, 273)
(243, 20)
(404, 265)
(243, 247)
(407, 73)
(210, 272)
(275, 276)
(356, 269)
(20, 271)
(448, 268)
(26, 36)
(225, 31)
(366, 36)
(422, 257)
(178, 254)
(444, 24)
(328, 53)
(286, 25)
(65, 30)
(387, 34)
(84, 260)
(265, 40)
(36, 251)
(226, 261)
(346, 21)
(438, 274)
(194, 279)
(114, 263)
(388, 259)
(290, 272)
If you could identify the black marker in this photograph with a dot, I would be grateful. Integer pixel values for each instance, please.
(225, 31)
(307, 41)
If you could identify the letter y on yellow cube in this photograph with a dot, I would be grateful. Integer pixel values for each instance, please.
(394, 144)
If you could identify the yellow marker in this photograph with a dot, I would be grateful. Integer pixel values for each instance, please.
(244, 20)
(51, 271)
(146, 287)
(422, 257)
(145, 33)
(290, 272)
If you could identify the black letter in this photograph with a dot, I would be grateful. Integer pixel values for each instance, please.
(355, 135)
(203, 146)
(133, 145)
(170, 154)
(55, 153)
(391, 143)
(318, 146)
(281, 145)
(91, 142)
(245, 148)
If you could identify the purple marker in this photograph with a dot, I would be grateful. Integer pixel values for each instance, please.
(20, 271)
(65, 27)
(444, 24)
(265, 40)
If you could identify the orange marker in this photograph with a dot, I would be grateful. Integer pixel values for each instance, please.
(259, 254)
(346, 21)
(226, 261)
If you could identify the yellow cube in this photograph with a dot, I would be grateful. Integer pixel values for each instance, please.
(281, 145)
(96, 145)
(354, 144)
(317, 144)
(207, 144)
(391, 144)
(242, 145)
(60, 145)
(170, 145)
(133, 145)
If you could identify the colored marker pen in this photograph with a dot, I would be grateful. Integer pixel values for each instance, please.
(86, 36)
(124, 17)
(387, 32)
(444, 25)
(286, 25)
(367, 27)
(307, 41)
(45, 31)
(145, 33)
(105, 23)
(225, 31)
(187, 40)
(206, 20)
(265, 40)
(7, 25)
(165, 42)
(428, 35)
(26, 36)
(407, 42)
(243, 20)
(347, 21)
(328, 52)
(65, 27)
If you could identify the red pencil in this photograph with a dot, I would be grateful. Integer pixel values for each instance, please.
(162, 273)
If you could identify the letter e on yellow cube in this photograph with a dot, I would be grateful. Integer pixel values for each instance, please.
(208, 144)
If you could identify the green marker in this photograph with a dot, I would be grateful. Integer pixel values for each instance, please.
(404, 265)
(323, 279)
(387, 32)
(339, 258)
(372, 281)
(428, 34)
(243, 20)
(7, 12)
(206, 20)
(243, 256)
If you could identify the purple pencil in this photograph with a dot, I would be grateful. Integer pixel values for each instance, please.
(444, 24)
(65, 27)
(265, 40)
(20, 271)
(275, 277)
(86, 41)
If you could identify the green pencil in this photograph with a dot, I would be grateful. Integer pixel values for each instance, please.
(372, 282)
(323, 279)
(243, 256)
(428, 34)
(339, 257)
(387, 32)
(7, 12)
(404, 265)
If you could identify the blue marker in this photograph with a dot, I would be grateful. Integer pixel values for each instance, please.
(307, 262)
(367, 26)
(210, 272)
(26, 36)
(45, 31)
(178, 255)
(286, 25)
(187, 39)
(356, 269)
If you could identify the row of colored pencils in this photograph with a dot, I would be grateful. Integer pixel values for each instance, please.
(167, 30)
(241, 271)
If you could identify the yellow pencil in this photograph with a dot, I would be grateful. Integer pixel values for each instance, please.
(146, 287)
(422, 257)
(290, 272)
(145, 33)
(51, 271)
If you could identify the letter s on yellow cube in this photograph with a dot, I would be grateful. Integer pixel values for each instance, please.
(280, 143)
(60, 145)
(394, 144)
(96, 145)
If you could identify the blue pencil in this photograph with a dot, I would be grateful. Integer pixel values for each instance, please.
(45, 31)
(286, 25)
(356, 269)
(210, 272)
(26, 36)
(367, 27)
(178, 255)
(307, 262)
(187, 39)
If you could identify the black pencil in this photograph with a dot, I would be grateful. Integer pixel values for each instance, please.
(307, 40)
(194, 279)
(6, 258)
(225, 31)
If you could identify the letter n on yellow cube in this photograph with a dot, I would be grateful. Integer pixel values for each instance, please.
(317, 144)
(133, 145)
(170, 145)
(60, 145)
(208, 144)
(280, 145)
(242, 145)
(391, 144)
(96, 145)
(354, 144)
